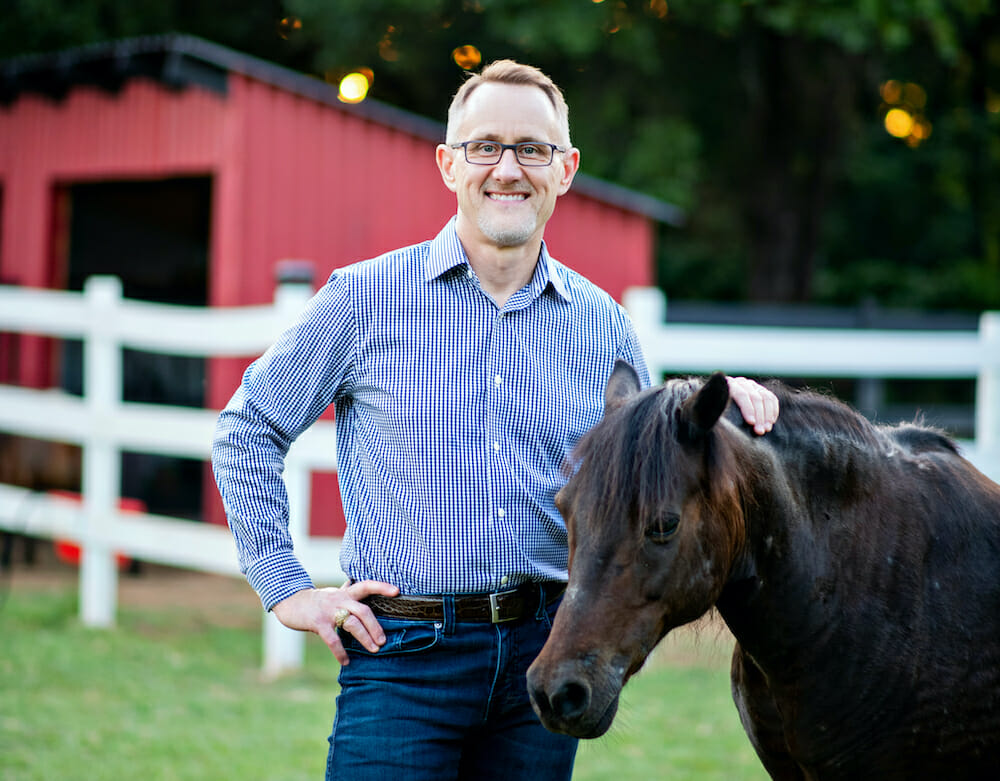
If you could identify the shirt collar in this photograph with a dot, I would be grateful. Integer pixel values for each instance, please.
(446, 252)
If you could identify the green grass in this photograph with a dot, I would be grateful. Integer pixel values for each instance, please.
(171, 694)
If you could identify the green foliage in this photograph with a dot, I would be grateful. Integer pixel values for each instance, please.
(762, 118)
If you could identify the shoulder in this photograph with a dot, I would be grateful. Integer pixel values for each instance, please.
(584, 293)
(389, 269)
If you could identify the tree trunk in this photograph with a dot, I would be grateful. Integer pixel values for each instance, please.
(796, 91)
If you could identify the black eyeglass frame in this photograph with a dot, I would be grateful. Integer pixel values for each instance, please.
(553, 148)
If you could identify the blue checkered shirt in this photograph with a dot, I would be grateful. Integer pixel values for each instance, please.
(454, 420)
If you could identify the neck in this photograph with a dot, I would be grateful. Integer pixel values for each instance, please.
(502, 271)
(767, 600)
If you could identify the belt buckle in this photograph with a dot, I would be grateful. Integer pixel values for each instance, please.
(495, 607)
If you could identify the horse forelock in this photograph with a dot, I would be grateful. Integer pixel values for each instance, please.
(616, 461)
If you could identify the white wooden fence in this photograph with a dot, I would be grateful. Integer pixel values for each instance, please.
(832, 352)
(105, 426)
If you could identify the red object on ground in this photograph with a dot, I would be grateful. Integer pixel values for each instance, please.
(69, 552)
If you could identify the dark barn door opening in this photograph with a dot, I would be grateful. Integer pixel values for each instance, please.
(154, 236)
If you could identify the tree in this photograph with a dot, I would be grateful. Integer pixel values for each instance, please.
(762, 118)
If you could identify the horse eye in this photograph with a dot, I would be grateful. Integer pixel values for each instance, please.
(663, 528)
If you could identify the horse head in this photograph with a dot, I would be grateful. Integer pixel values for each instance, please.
(654, 521)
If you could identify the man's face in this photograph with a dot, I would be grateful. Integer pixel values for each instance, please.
(506, 204)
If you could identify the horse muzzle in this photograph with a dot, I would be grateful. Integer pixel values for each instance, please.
(567, 699)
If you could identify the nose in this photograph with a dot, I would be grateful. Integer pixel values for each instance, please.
(566, 702)
(508, 167)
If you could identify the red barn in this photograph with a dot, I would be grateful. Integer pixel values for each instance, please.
(191, 171)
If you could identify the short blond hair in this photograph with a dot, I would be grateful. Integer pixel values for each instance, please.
(509, 72)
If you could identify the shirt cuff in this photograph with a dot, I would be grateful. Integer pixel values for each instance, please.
(277, 577)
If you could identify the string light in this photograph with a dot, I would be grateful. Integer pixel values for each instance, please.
(353, 88)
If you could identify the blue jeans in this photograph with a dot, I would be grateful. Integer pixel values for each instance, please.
(445, 700)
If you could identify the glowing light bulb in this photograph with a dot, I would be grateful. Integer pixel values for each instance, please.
(353, 88)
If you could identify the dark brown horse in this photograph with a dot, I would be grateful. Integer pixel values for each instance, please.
(857, 566)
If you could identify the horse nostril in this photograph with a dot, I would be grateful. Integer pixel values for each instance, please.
(571, 699)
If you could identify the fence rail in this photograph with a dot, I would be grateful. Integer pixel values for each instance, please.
(781, 351)
(105, 426)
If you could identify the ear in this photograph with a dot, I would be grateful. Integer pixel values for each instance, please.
(702, 410)
(623, 384)
(570, 164)
(445, 157)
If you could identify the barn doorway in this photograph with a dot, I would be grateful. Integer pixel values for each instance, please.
(154, 236)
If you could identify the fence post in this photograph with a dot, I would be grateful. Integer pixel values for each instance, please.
(101, 479)
(284, 648)
(647, 307)
(988, 392)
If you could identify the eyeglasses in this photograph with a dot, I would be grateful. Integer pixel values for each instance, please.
(528, 153)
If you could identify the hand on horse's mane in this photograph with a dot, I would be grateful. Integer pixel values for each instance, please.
(756, 403)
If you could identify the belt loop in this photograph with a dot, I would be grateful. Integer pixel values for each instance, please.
(542, 602)
(448, 607)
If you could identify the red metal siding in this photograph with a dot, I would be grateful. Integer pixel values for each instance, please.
(143, 132)
(613, 248)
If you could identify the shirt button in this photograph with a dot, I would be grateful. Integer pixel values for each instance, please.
(496, 447)
(503, 580)
(501, 513)
(498, 380)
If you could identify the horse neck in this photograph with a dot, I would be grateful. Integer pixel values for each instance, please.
(766, 601)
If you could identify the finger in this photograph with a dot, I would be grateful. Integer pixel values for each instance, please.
(332, 639)
(367, 626)
(365, 629)
(366, 588)
(761, 425)
(740, 395)
(771, 409)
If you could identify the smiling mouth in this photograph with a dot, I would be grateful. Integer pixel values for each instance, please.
(509, 197)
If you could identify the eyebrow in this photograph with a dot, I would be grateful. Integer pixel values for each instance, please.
(522, 140)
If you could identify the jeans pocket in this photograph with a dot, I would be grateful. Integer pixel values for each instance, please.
(401, 637)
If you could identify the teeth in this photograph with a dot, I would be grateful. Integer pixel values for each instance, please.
(507, 197)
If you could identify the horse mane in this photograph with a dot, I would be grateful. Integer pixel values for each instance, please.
(808, 413)
(629, 459)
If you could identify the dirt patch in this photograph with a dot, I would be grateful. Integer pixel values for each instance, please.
(151, 586)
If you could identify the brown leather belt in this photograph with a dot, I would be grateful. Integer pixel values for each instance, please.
(496, 608)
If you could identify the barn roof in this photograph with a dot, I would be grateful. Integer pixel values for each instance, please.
(180, 61)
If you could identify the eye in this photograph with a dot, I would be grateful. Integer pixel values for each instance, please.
(663, 528)
(534, 152)
(482, 148)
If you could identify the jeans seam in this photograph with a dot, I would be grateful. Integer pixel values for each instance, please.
(496, 673)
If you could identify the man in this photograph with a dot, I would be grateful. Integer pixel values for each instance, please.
(462, 370)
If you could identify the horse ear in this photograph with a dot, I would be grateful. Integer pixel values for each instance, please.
(622, 384)
(703, 409)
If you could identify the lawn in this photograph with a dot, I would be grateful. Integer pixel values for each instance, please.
(174, 692)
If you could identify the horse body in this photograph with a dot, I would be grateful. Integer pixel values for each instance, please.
(857, 567)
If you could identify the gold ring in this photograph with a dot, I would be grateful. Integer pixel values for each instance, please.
(341, 616)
